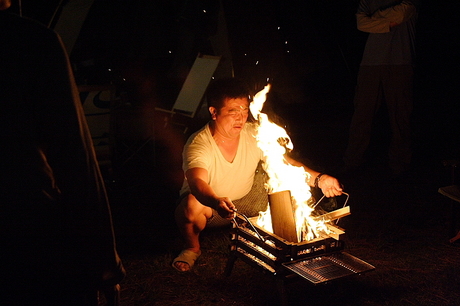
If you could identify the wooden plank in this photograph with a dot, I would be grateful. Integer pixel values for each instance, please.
(335, 214)
(335, 231)
(282, 215)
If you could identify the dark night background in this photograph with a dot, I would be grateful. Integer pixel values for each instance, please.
(310, 51)
(130, 43)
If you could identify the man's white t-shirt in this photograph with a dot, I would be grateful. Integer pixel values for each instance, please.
(227, 179)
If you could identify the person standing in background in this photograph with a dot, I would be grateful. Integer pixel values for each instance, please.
(385, 74)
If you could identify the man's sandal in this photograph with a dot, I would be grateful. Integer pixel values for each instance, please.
(188, 257)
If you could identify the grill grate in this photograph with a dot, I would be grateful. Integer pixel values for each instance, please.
(328, 267)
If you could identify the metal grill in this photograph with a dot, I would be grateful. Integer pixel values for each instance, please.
(318, 261)
(328, 267)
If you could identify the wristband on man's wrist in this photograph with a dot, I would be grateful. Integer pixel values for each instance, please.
(317, 179)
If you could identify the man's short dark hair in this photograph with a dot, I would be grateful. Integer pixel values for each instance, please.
(224, 88)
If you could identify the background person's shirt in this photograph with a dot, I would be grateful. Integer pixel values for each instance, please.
(385, 45)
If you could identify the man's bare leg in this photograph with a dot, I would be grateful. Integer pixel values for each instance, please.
(191, 218)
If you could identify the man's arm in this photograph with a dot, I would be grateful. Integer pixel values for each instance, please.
(382, 21)
(329, 185)
(197, 179)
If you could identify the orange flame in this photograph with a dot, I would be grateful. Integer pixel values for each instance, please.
(275, 143)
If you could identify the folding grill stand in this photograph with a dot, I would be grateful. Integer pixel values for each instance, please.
(318, 261)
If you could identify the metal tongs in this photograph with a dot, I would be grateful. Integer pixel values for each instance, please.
(345, 204)
(250, 223)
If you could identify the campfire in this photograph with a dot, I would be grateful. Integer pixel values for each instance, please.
(291, 205)
(291, 238)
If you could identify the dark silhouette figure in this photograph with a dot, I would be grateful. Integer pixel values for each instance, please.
(385, 75)
(57, 243)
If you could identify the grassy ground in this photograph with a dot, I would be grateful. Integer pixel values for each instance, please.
(399, 226)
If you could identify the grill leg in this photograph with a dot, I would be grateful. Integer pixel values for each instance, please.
(280, 286)
(230, 263)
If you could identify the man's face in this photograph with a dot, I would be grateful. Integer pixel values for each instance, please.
(230, 119)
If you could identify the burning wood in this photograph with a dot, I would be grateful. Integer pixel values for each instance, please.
(335, 215)
(334, 231)
(282, 215)
(289, 214)
(284, 224)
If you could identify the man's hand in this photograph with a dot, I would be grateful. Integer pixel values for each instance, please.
(225, 208)
(330, 186)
